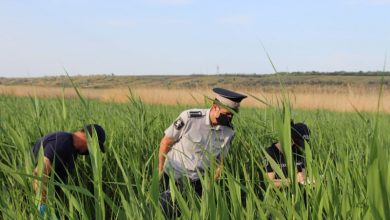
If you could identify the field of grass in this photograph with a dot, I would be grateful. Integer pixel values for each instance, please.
(348, 158)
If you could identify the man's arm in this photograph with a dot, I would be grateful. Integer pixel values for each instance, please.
(277, 182)
(301, 176)
(47, 166)
(220, 159)
(165, 147)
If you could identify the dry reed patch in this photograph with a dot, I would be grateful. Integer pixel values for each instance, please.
(305, 97)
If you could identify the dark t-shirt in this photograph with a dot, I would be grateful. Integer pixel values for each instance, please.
(280, 159)
(58, 148)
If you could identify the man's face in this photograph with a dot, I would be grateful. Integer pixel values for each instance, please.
(83, 151)
(83, 147)
(223, 116)
(300, 144)
(225, 112)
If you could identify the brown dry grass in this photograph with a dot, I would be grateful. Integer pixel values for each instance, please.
(305, 97)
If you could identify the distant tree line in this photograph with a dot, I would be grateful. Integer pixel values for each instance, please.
(343, 73)
(334, 73)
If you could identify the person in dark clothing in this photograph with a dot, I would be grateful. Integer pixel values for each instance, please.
(299, 134)
(60, 150)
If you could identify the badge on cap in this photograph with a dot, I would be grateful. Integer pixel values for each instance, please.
(179, 123)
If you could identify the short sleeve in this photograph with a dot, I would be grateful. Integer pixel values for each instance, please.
(266, 163)
(49, 151)
(226, 148)
(36, 147)
(300, 163)
(175, 130)
(267, 166)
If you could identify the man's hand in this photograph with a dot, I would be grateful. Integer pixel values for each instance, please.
(218, 170)
(217, 173)
(301, 176)
(278, 182)
(165, 147)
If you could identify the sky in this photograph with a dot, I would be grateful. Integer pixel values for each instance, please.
(156, 37)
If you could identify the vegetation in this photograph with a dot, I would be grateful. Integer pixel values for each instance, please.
(348, 158)
(248, 81)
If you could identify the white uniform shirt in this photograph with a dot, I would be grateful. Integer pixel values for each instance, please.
(195, 141)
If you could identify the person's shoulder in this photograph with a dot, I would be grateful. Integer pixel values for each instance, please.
(188, 117)
(271, 149)
(63, 136)
(59, 139)
(48, 139)
(191, 114)
(55, 135)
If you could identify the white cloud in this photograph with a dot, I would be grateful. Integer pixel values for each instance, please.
(235, 20)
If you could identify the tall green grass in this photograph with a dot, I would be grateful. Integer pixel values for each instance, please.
(348, 158)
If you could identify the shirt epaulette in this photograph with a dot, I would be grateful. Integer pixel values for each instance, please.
(195, 114)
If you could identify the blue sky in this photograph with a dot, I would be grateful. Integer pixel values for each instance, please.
(40, 37)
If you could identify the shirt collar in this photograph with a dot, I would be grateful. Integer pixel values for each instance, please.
(207, 118)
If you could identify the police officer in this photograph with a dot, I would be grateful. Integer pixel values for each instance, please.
(299, 134)
(194, 136)
(60, 151)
